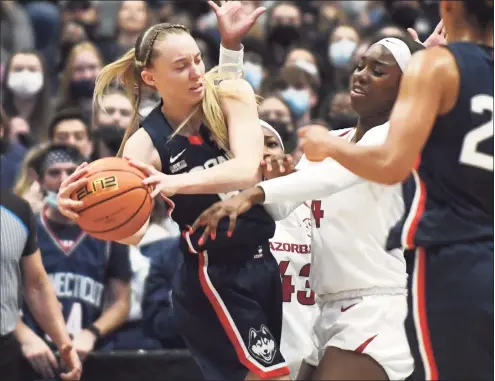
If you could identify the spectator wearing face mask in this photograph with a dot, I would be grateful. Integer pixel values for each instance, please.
(78, 78)
(304, 59)
(70, 127)
(337, 111)
(342, 44)
(106, 140)
(255, 61)
(276, 112)
(298, 89)
(26, 92)
(283, 29)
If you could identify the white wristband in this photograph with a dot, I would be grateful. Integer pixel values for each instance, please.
(235, 57)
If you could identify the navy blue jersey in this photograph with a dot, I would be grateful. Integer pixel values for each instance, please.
(79, 266)
(449, 198)
(183, 154)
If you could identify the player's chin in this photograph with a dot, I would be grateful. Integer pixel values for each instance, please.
(360, 102)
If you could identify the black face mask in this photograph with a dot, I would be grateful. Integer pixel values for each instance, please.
(82, 88)
(281, 127)
(342, 120)
(284, 34)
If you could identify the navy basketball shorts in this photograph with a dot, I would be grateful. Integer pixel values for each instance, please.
(450, 319)
(230, 314)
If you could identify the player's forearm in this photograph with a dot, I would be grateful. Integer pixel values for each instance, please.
(114, 316)
(311, 183)
(46, 309)
(373, 163)
(229, 176)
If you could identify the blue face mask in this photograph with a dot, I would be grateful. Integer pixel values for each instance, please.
(253, 73)
(51, 199)
(340, 53)
(298, 100)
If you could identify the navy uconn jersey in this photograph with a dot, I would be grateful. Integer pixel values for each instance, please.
(183, 154)
(79, 268)
(449, 198)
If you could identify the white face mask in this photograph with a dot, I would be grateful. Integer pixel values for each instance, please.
(25, 84)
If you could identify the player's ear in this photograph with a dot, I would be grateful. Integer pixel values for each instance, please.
(148, 78)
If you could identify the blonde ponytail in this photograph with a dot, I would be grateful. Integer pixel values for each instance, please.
(124, 71)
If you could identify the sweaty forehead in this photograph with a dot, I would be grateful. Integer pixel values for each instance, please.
(380, 53)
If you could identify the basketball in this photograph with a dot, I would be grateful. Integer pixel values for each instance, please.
(116, 202)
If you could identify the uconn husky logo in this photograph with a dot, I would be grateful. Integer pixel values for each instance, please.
(262, 344)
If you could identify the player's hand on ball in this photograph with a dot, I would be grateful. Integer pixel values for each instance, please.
(40, 356)
(314, 142)
(66, 205)
(162, 184)
(70, 359)
(276, 166)
(211, 217)
(84, 343)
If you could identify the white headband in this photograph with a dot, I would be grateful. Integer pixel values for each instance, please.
(399, 50)
(273, 131)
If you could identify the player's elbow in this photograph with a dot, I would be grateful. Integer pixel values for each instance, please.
(249, 175)
(394, 174)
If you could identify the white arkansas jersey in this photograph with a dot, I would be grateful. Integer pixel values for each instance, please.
(350, 229)
(291, 246)
(351, 220)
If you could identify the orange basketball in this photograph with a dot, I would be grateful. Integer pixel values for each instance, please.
(116, 202)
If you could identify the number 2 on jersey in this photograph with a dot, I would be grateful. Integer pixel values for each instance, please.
(470, 155)
(305, 297)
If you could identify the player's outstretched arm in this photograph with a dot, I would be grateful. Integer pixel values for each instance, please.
(428, 88)
(230, 208)
(233, 24)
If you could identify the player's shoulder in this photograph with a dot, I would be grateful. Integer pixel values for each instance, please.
(437, 62)
(237, 86)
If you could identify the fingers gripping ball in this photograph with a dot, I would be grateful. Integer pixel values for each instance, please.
(116, 202)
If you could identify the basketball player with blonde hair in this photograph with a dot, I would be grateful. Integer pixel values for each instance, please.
(203, 143)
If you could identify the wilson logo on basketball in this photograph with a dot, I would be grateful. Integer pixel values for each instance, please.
(97, 186)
